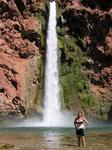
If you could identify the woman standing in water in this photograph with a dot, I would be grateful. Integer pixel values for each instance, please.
(80, 122)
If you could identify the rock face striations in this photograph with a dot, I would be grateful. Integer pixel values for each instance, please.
(19, 56)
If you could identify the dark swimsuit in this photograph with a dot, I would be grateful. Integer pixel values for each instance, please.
(80, 131)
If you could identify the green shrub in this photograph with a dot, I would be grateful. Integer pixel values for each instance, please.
(7, 146)
(72, 79)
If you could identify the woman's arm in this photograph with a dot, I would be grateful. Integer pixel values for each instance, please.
(86, 121)
(75, 122)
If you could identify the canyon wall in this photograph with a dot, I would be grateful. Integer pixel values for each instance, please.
(85, 43)
(20, 57)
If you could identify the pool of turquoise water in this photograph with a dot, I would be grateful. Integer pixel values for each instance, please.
(54, 130)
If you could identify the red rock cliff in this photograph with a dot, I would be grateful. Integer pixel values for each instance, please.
(90, 23)
(19, 54)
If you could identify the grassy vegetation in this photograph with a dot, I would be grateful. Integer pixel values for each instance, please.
(42, 17)
(75, 89)
(59, 11)
(7, 146)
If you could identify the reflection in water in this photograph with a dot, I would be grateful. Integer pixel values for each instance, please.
(60, 139)
(52, 140)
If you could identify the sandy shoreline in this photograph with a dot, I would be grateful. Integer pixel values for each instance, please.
(53, 141)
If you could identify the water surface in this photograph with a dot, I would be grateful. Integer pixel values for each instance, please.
(54, 138)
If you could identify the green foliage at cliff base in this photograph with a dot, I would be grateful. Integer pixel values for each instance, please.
(75, 90)
(42, 17)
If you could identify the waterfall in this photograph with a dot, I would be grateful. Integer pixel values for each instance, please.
(52, 88)
(52, 114)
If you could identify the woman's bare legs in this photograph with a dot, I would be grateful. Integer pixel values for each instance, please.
(83, 140)
(79, 140)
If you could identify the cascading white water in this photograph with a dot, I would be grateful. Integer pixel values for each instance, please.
(52, 115)
(52, 88)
